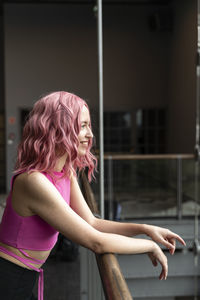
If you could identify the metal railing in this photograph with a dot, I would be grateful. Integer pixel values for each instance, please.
(185, 168)
(112, 159)
(114, 284)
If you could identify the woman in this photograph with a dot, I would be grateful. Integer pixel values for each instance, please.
(45, 199)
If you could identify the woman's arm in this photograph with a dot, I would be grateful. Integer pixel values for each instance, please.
(158, 234)
(44, 200)
(79, 205)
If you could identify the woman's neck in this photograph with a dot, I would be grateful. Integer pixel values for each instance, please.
(60, 163)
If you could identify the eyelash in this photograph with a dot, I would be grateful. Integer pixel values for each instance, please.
(84, 125)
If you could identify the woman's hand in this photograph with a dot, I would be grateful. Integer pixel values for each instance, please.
(156, 256)
(164, 236)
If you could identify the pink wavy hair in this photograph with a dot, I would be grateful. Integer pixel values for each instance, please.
(51, 130)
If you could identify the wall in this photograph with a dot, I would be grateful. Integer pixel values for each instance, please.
(182, 83)
(135, 58)
(48, 47)
(54, 47)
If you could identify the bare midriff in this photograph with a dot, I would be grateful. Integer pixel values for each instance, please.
(41, 255)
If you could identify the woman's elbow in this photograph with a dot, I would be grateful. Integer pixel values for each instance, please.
(98, 246)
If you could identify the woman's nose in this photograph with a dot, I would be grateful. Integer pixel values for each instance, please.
(89, 132)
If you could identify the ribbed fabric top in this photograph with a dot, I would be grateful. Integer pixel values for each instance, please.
(32, 232)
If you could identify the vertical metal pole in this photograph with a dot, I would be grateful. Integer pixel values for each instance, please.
(101, 139)
(197, 145)
(196, 230)
(197, 161)
(179, 188)
(4, 187)
(110, 188)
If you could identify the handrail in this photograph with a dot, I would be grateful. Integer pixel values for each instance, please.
(114, 284)
(115, 156)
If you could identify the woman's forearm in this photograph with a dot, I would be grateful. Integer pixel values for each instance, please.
(158, 234)
(115, 243)
(127, 229)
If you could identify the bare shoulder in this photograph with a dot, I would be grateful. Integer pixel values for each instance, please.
(29, 181)
(31, 185)
(25, 188)
(35, 192)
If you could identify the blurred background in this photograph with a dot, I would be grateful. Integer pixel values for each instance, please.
(151, 117)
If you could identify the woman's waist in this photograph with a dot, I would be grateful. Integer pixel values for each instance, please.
(24, 257)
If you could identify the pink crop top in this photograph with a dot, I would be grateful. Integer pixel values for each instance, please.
(30, 233)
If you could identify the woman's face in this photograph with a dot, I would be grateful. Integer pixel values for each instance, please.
(85, 133)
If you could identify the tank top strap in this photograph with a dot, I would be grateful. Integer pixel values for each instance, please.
(12, 181)
(13, 178)
(35, 260)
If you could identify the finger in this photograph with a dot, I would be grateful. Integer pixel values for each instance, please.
(168, 245)
(181, 240)
(164, 272)
(172, 242)
(162, 275)
(178, 238)
(166, 275)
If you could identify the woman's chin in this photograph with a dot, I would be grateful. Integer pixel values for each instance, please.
(82, 152)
